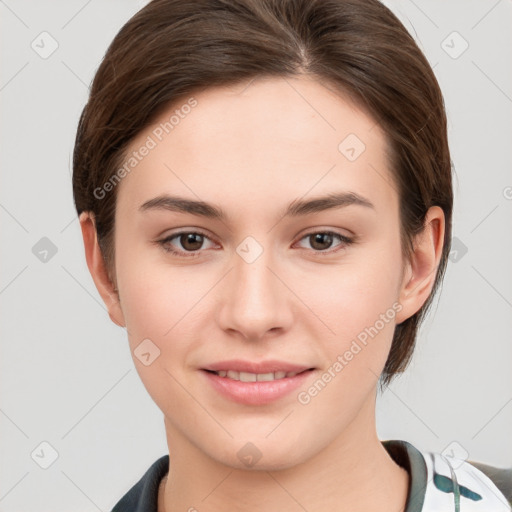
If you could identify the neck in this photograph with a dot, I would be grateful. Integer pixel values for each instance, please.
(354, 473)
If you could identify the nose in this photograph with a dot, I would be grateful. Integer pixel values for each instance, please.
(255, 302)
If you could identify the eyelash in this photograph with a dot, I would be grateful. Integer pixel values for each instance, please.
(346, 241)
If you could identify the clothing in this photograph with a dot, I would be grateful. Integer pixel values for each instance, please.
(437, 483)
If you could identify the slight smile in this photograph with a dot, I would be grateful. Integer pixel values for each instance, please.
(253, 383)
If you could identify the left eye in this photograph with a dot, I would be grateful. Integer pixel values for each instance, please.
(319, 239)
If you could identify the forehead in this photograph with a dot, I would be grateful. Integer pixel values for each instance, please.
(260, 139)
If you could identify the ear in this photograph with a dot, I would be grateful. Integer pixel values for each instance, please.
(98, 270)
(420, 271)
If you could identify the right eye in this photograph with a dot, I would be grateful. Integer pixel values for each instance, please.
(190, 241)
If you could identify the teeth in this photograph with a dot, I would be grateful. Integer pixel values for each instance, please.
(254, 377)
(247, 377)
(265, 377)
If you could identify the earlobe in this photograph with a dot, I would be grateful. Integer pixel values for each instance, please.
(97, 268)
(421, 270)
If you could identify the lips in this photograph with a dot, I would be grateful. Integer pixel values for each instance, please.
(253, 383)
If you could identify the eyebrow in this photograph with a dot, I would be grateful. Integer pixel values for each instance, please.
(294, 209)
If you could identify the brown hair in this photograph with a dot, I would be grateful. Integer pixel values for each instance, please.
(173, 48)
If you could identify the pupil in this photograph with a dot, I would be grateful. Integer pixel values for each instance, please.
(191, 238)
(321, 238)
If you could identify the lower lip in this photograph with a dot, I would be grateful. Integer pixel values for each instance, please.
(256, 393)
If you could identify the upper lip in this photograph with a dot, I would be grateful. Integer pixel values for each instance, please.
(270, 366)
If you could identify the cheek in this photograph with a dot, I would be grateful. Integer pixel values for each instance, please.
(159, 304)
(354, 295)
(170, 306)
(163, 306)
(359, 304)
(154, 296)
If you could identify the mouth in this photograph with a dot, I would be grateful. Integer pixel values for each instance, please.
(256, 383)
(256, 377)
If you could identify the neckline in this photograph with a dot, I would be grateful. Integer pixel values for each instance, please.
(412, 460)
(402, 452)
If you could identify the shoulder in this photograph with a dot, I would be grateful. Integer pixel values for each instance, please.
(446, 482)
(501, 477)
(143, 496)
(470, 485)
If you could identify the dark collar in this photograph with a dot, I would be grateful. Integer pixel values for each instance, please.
(411, 459)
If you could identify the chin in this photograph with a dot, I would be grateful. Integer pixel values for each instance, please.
(264, 454)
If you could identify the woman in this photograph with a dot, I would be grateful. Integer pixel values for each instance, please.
(265, 196)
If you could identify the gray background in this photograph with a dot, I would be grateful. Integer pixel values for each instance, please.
(66, 374)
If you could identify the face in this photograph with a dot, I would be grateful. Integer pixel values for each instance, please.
(269, 284)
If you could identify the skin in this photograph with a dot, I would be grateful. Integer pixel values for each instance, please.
(252, 149)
